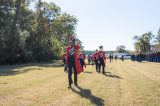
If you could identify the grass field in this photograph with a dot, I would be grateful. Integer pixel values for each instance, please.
(124, 84)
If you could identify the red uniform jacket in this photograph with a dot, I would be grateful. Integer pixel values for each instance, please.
(92, 57)
(96, 56)
(82, 56)
(102, 54)
(78, 65)
(63, 56)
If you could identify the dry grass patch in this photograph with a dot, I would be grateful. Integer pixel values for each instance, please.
(125, 84)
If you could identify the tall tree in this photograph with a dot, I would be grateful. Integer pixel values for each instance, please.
(158, 37)
(8, 29)
(121, 49)
(142, 44)
(34, 35)
(64, 27)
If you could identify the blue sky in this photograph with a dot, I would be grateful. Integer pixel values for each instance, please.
(112, 22)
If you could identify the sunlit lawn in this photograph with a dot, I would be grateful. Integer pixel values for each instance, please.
(124, 84)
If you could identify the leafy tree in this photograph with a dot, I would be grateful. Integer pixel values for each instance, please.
(33, 35)
(142, 44)
(158, 38)
(121, 49)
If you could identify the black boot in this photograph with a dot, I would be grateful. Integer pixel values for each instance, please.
(69, 86)
(76, 85)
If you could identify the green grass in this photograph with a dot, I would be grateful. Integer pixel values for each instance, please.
(125, 84)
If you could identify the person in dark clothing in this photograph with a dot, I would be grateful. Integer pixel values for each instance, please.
(122, 58)
(159, 56)
(64, 61)
(82, 58)
(72, 61)
(102, 59)
(116, 57)
(96, 57)
(89, 59)
(110, 58)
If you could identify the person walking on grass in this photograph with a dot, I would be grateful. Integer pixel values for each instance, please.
(110, 58)
(89, 59)
(64, 61)
(122, 57)
(96, 57)
(82, 58)
(72, 61)
(102, 59)
(115, 57)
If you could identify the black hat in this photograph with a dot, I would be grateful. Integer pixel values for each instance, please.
(100, 46)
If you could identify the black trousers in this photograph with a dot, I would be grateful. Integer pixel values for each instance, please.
(81, 62)
(97, 64)
(65, 66)
(103, 66)
(72, 65)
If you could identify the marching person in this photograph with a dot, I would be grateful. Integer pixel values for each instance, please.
(110, 58)
(158, 54)
(92, 59)
(64, 61)
(82, 58)
(102, 59)
(122, 58)
(96, 57)
(115, 57)
(72, 61)
(89, 59)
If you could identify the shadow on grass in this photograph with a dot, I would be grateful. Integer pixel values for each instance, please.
(49, 65)
(42, 64)
(86, 93)
(3, 83)
(87, 72)
(13, 71)
(109, 74)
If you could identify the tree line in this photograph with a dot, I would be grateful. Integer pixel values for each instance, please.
(33, 33)
(144, 42)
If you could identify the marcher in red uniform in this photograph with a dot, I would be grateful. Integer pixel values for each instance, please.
(102, 59)
(72, 61)
(96, 57)
(89, 59)
(82, 58)
(64, 61)
(92, 59)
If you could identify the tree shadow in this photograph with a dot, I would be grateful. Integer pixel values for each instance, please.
(43, 64)
(86, 93)
(13, 71)
(109, 74)
(49, 65)
(87, 72)
(16, 69)
(4, 83)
